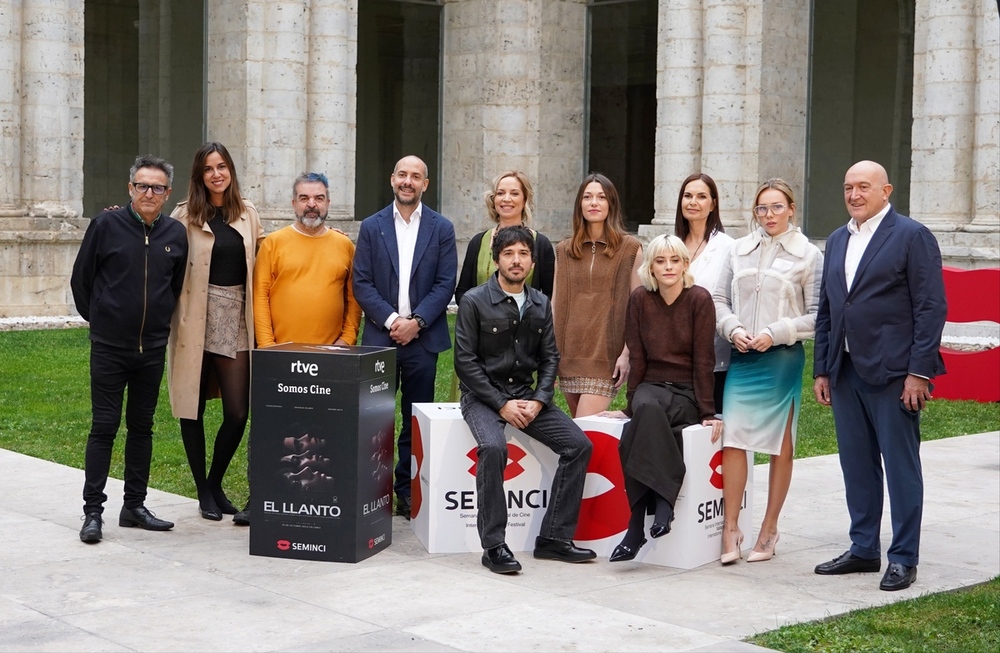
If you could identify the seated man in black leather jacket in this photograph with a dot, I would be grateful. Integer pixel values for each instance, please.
(503, 335)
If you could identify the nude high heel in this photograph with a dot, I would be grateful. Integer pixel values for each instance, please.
(766, 554)
(729, 557)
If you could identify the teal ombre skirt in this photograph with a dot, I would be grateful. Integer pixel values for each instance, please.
(760, 390)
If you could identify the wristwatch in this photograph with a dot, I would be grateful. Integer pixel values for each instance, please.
(420, 321)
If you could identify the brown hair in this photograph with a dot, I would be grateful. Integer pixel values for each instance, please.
(198, 204)
(713, 224)
(614, 226)
(529, 195)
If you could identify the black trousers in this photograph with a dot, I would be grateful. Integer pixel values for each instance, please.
(112, 370)
(652, 444)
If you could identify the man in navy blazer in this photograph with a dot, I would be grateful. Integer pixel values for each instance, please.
(405, 269)
(878, 331)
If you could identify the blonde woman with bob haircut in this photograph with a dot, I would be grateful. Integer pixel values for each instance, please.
(670, 385)
(766, 301)
(510, 201)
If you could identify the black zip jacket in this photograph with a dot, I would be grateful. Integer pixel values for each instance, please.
(497, 351)
(127, 278)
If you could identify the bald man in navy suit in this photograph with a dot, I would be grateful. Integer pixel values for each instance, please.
(878, 333)
(405, 270)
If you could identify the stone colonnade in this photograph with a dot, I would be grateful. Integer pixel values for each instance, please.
(955, 184)
(282, 89)
(41, 153)
(732, 92)
(732, 100)
(513, 97)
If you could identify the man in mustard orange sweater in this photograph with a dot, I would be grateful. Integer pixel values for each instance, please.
(302, 280)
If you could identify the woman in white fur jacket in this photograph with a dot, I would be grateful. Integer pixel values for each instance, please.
(766, 300)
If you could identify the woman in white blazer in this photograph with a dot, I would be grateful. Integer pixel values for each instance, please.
(699, 225)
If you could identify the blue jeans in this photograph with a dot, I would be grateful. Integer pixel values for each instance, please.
(554, 429)
(112, 370)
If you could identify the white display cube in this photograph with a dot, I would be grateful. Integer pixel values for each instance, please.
(444, 506)
(695, 537)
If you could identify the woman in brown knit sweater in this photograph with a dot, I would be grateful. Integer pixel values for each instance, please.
(595, 271)
(670, 385)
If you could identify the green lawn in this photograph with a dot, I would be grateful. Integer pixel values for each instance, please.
(963, 621)
(45, 411)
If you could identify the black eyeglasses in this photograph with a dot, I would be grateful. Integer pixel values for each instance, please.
(156, 188)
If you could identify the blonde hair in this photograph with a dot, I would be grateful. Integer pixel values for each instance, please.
(529, 195)
(777, 184)
(660, 246)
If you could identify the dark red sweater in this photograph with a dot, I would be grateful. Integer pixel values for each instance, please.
(673, 343)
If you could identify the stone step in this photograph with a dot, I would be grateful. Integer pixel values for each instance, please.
(43, 223)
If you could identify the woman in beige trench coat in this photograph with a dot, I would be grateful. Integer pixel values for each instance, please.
(211, 332)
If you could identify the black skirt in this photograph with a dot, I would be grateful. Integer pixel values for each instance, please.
(652, 446)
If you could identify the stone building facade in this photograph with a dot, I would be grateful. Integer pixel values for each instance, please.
(647, 91)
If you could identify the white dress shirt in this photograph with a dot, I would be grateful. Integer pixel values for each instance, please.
(856, 246)
(406, 243)
(858, 243)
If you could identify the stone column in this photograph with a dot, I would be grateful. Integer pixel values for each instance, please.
(783, 98)
(513, 97)
(986, 132)
(41, 154)
(332, 99)
(257, 95)
(944, 101)
(52, 108)
(729, 134)
(679, 81)
(10, 111)
(755, 98)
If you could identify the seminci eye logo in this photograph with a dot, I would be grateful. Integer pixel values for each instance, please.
(284, 545)
(514, 456)
(604, 510)
(416, 460)
(716, 466)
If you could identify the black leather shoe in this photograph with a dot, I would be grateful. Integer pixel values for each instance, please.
(623, 553)
(210, 512)
(659, 529)
(242, 518)
(226, 506)
(142, 518)
(564, 550)
(500, 560)
(898, 577)
(848, 563)
(91, 531)
(402, 506)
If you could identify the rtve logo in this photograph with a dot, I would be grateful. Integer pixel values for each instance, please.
(514, 456)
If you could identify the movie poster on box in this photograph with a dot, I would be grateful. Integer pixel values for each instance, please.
(321, 452)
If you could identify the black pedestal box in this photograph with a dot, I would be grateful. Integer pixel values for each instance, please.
(321, 451)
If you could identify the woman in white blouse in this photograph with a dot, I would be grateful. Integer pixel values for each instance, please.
(699, 225)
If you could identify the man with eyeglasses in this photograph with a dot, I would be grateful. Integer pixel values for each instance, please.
(126, 280)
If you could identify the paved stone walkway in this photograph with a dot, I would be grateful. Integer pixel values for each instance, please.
(197, 589)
